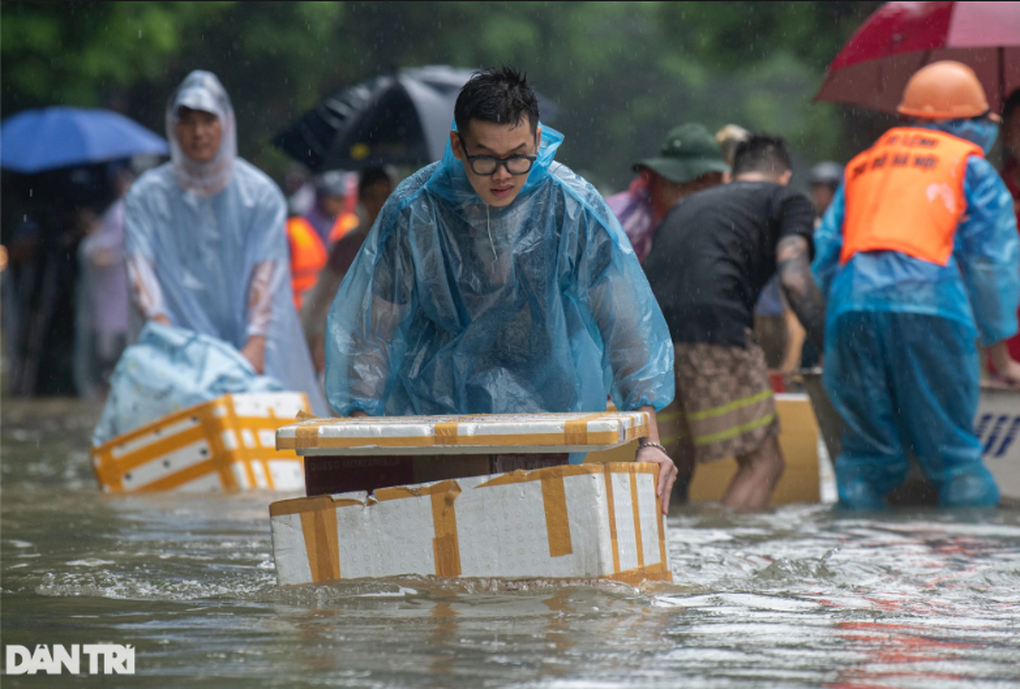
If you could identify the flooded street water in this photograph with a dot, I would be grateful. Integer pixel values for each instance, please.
(799, 597)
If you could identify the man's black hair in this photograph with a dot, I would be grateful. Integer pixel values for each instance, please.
(370, 176)
(762, 153)
(499, 95)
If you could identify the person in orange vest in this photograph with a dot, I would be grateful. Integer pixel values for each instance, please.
(374, 186)
(918, 255)
(311, 236)
(308, 257)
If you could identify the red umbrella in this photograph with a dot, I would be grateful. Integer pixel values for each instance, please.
(901, 37)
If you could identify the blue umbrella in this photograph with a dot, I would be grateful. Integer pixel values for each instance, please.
(47, 138)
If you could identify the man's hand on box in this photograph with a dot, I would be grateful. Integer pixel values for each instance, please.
(654, 454)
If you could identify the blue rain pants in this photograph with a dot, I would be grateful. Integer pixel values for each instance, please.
(906, 382)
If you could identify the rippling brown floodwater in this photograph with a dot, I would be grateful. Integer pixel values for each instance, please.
(799, 597)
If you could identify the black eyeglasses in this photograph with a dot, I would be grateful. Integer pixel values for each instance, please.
(487, 165)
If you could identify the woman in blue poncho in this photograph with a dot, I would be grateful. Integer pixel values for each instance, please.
(498, 281)
(206, 244)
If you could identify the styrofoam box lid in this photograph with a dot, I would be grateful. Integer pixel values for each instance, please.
(474, 434)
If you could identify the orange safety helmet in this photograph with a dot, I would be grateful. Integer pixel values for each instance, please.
(945, 90)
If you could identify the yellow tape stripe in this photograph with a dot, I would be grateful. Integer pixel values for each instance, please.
(445, 547)
(736, 430)
(315, 504)
(727, 408)
(213, 428)
(608, 474)
(400, 492)
(322, 542)
(637, 520)
(241, 452)
(636, 576)
(557, 521)
(446, 433)
(153, 451)
(306, 435)
(148, 429)
(522, 476)
(637, 431)
(575, 431)
(267, 473)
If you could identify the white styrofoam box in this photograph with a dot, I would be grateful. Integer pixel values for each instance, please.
(570, 521)
(228, 443)
(471, 434)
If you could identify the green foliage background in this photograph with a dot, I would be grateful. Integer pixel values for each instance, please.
(622, 73)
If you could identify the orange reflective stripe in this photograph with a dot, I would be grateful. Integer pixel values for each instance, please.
(345, 222)
(905, 194)
(307, 257)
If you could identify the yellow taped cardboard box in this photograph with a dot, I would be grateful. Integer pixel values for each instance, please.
(589, 520)
(227, 444)
(473, 434)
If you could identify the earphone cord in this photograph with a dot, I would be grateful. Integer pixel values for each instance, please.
(488, 231)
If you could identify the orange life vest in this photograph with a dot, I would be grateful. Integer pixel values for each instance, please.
(905, 194)
(307, 257)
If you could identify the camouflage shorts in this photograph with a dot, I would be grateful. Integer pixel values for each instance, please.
(724, 404)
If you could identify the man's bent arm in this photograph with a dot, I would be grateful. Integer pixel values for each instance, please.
(805, 298)
(637, 343)
(265, 279)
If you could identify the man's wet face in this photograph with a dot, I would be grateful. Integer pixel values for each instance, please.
(498, 141)
(199, 134)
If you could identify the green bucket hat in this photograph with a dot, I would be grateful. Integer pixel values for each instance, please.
(688, 152)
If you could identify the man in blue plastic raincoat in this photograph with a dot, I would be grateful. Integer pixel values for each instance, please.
(206, 244)
(918, 247)
(498, 281)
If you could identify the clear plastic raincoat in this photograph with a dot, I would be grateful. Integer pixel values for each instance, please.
(901, 364)
(456, 307)
(207, 246)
